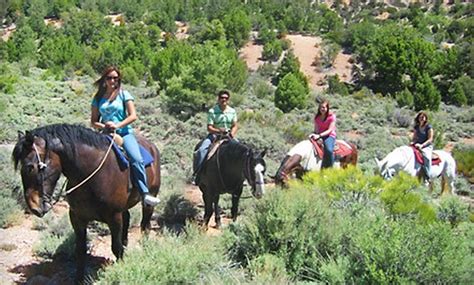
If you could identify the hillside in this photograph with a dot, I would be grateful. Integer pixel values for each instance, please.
(378, 64)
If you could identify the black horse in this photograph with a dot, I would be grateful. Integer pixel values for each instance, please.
(101, 186)
(225, 172)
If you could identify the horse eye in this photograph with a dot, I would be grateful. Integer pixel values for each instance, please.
(30, 167)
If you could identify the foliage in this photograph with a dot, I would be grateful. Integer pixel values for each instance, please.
(237, 27)
(335, 86)
(464, 157)
(58, 239)
(327, 232)
(289, 64)
(397, 58)
(272, 50)
(198, 256)
(453, 211)
(404, 98)
(10, 206)
(291, 93)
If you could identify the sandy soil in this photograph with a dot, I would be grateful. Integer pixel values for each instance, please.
(251, 53)
(306, 49)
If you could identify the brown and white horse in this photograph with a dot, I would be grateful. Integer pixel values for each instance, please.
(304, 156)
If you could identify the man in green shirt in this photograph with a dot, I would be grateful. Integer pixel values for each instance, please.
(221, 119)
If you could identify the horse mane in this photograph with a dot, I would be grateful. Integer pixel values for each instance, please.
(237, 149)
(69, 135)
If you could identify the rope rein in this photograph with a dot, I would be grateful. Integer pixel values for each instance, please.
(69, 191)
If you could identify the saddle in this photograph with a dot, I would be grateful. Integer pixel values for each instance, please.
(341, 148)
(435, 160)
(123, 159)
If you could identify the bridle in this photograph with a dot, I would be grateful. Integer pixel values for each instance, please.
(42, 166)
(41, 169)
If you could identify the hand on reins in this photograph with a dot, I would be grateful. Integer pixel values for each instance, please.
(110, 126)
(314, 136)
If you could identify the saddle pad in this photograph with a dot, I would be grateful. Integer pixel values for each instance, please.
(123, 160)
(341, 148)
(435, 160)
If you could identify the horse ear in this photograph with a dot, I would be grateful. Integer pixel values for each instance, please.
(378, 162)
(262, 154)
(21, 135)
(29, 138)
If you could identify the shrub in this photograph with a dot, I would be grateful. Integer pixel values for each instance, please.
(456, 94)
(198, 257)
(404, 98)
(335, 86)
(290, 93)
(332, 229)
(453, 211)
(272, 50)
(464, 157)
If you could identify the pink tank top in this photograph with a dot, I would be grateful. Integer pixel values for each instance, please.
(322, 126)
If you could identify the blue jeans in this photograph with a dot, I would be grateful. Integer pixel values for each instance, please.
(328, 157)
(202, 151)
(137, 166)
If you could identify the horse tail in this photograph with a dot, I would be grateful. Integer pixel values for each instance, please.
(350, 158)
(447, 178)
(354, 156)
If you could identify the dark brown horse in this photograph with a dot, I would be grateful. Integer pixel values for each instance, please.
(302, 157)
(225, 172)
(77, 152)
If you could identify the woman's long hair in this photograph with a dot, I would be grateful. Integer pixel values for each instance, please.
(319, 112)
(421, 113)
(101, 85)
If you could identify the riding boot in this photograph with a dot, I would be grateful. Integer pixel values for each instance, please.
(150, 200)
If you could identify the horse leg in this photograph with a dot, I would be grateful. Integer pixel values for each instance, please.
(126, 225)
(145, 224)
(116, 228)
(80, 230)
(207, 209)
(235, 204)
(217, 212)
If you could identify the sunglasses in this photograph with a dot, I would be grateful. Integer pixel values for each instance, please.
(224, 98)
(112, 77)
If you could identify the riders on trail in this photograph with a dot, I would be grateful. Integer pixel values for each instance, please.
(221, 120)
(423, 141)
(325, 129)
(113, 109)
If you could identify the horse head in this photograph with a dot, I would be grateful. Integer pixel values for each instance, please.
(40, 171)
(386, 172)
(255, 173)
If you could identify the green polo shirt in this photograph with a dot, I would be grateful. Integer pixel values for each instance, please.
(221, 119)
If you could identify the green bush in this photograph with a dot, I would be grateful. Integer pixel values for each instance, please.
(404, 98)
(332, 228)
(291, 93)
(464, 157)
(453, 210)
(335, 86)
(190, 258)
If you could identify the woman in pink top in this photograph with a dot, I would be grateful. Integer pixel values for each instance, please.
(325, 129)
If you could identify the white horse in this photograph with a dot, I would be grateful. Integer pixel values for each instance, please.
(403, 159)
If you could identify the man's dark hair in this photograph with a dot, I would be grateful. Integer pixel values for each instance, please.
(222, 92)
